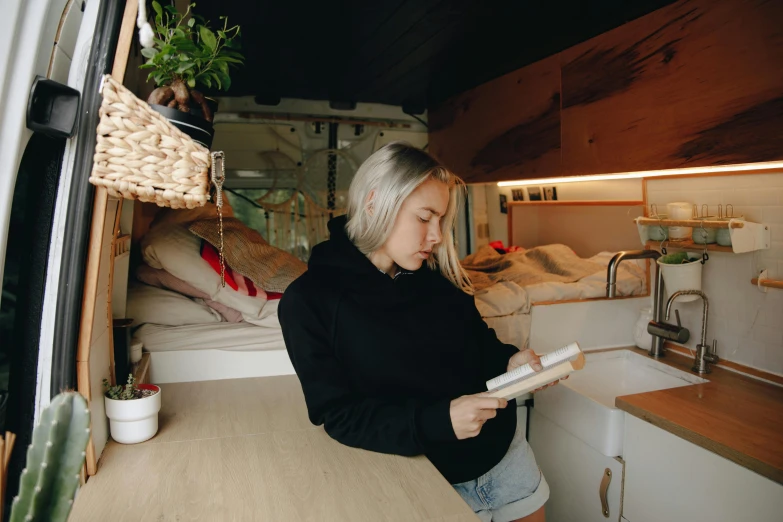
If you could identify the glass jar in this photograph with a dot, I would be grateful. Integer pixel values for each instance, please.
(641, 337)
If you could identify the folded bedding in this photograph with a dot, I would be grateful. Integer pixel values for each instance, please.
(177, 251)
(162, 279)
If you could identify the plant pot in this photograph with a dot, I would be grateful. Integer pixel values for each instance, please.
(136, 420)
(196, 111)
(194, 126)
(682, 277)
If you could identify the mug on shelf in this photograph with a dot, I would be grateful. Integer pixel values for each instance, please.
(677, 211)
(705, 236)
(658, 232)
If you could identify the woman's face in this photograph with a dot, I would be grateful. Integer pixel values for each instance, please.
(417, 228)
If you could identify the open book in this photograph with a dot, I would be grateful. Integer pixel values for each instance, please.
(524, 379)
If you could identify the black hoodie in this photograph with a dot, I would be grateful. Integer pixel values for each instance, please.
(380, 359)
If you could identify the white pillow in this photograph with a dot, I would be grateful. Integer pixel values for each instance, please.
(149, 304)
(268, 317)
(176, 250)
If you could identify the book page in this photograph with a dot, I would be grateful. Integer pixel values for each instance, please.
(548, 360)
(542, 378)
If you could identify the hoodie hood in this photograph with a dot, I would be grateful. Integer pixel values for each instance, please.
(339, 253)
(338, 260)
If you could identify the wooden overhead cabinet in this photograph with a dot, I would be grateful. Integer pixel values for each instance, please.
(697, 83)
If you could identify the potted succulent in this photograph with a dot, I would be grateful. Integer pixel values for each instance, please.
(132, 410)
(184, 54)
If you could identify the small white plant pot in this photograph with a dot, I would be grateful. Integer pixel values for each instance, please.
(682, 277)
(136, 420)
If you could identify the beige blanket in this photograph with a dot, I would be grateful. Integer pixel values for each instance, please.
(549, 263)
(249, 254)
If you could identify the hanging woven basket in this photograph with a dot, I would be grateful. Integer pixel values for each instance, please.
(140, 155)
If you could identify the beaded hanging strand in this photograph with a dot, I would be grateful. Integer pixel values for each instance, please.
(218, 178)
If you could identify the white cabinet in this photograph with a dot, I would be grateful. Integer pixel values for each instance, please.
(669, 478)
(574, 472)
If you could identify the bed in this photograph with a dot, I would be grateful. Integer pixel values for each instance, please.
(202, 352)
(540, 270)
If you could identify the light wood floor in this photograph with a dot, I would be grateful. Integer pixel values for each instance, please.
(245, 450)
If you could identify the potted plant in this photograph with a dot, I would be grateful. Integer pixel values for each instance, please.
(186, 54)
(132, 410)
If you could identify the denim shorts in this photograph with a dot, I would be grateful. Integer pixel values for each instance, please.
(513, 489)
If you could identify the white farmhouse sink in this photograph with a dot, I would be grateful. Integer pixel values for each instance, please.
(584, 406)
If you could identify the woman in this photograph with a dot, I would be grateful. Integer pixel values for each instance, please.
(390, 349)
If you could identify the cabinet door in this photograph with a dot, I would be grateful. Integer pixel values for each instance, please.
(669, 478)
(574, 472)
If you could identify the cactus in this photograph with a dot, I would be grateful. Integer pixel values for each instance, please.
(54, 460)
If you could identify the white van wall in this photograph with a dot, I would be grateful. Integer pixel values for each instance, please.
(31, 45)
(28, 31)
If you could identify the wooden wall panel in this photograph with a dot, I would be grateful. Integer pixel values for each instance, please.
(507, 128)
(95, 346)
(696, 83)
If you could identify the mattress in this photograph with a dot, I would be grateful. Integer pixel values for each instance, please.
(210, 336)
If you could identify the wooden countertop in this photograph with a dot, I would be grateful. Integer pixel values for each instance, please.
(737, 417)
(244, 449)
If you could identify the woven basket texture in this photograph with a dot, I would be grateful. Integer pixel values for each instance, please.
(140, 155)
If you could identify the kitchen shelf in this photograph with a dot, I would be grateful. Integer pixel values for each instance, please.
(769, 283)
(746, 236)
(687, 245)
(693, 223)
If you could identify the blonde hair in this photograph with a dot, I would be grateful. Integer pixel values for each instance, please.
(391, 174)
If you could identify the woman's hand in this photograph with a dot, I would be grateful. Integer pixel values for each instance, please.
(524, 357)
(529, 357)
(470, 412)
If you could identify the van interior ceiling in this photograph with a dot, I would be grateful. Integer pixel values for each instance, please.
(185, 300)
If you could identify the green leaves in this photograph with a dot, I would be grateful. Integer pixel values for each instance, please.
(187, 49)
(207, 37)
(184, 66)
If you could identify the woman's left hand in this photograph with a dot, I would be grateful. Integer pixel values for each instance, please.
(529, 357)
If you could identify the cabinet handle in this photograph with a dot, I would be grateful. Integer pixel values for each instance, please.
(603, 490)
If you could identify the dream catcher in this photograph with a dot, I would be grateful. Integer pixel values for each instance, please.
(296, 219)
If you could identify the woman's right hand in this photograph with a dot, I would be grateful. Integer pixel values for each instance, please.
(470, 412)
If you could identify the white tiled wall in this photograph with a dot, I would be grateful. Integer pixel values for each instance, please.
(747, 323)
